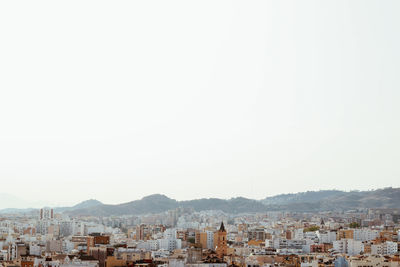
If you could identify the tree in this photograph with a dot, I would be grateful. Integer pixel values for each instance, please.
(354, 225)
(311, 229)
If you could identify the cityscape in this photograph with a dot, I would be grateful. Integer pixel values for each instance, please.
(196, 235)
(200, 133)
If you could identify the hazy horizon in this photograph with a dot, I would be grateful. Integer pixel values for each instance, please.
(118, 100)
(26, 204)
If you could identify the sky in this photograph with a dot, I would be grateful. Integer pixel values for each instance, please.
(116, 100)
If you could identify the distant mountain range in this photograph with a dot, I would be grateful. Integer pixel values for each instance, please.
(83, 205)
(324, 200)
(328, 200)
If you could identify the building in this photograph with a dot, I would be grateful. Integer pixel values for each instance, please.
(220, 241)
(387, 248)
(257, 234)
(97, 239)
(169, 244)
(54, 246)
(345, 234)
(206, 239)
(142, 232)
(348, 246)
(194, 255)
(46, 214)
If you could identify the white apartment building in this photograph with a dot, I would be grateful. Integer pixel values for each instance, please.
(169, 244)
(310, 235)
(281, 243)
(365, 234)
(153, 245)
(348, 246)
(326, 237)
(387, 248)
(210, 239)
(36, 249)
(170, 233)
(298, 233)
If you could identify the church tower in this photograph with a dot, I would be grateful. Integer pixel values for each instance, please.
(220, 243)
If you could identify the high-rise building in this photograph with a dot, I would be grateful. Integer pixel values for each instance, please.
(46, 214)
(142, 232)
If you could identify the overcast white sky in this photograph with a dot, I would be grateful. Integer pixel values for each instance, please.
(115, 100)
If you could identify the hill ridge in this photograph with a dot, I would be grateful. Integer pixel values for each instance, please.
(323, 200)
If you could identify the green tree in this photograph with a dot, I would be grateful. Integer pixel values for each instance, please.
(354, 225)
(311, 229)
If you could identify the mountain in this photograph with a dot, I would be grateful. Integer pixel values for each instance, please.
(309, 197)
(160, 203)
(151, 204)
(311, 201)
(91, 203)
(233, 205)
(328, 200)
(87, 204)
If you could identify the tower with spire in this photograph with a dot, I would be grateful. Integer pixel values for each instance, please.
(220, 242)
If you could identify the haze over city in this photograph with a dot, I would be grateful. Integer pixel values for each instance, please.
(213, 133)
(116, 101)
